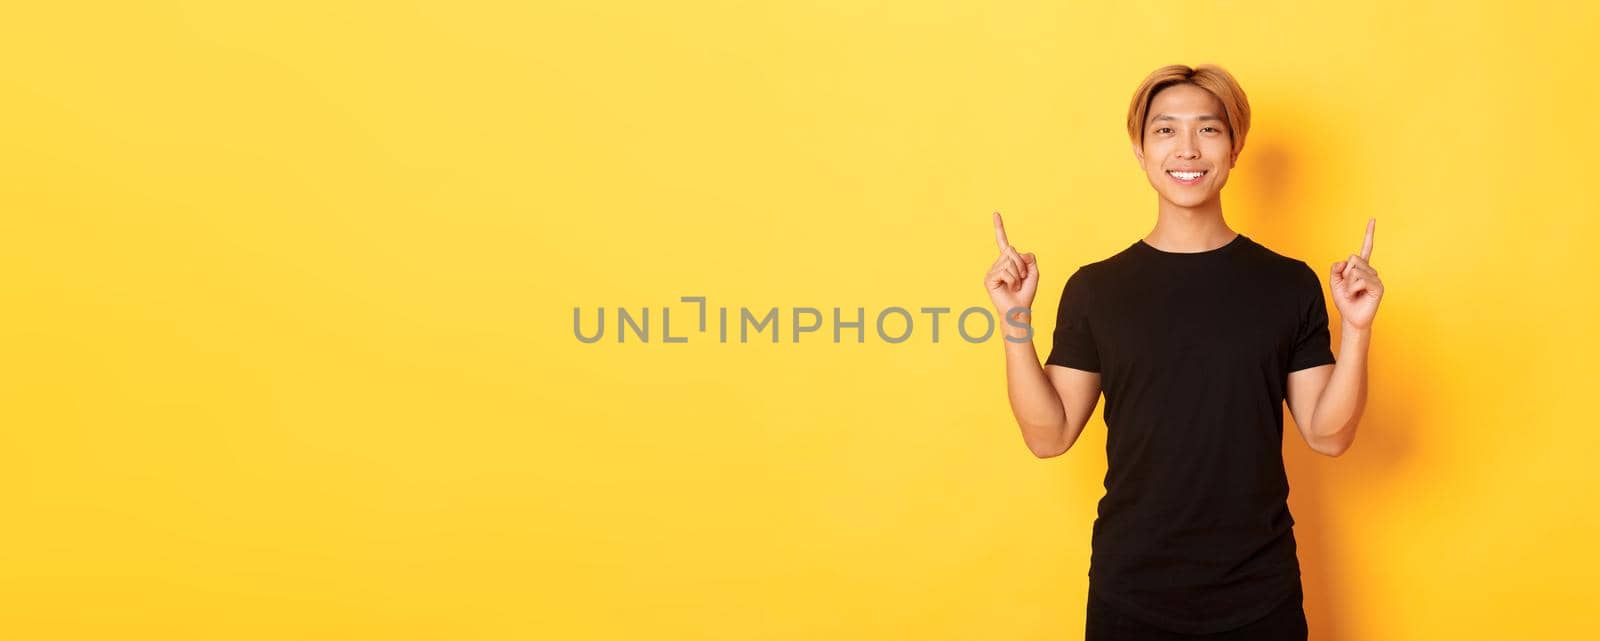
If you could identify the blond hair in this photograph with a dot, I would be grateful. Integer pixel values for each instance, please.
(1209, 77)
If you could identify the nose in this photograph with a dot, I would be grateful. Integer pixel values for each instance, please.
(1188, 147)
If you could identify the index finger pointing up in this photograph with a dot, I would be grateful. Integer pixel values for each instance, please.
(1366, 245)
(1000, 233)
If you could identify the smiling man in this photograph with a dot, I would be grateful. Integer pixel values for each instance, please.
(1197, 335)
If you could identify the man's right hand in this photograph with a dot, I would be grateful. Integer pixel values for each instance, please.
(1014, 278)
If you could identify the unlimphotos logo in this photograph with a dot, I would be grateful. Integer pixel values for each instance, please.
(894, 324)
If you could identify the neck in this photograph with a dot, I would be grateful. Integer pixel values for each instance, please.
(1190, 229)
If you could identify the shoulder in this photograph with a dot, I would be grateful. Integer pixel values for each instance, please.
(1273, 257)
(1280, 263)
(1292, 273)
(1103, 268)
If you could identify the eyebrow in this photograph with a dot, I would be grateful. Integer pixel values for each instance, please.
(1199, 117)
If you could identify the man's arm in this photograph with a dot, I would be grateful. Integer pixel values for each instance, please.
(1327, 405)
(1327, 401)
(1050, 409)
(1051, 403)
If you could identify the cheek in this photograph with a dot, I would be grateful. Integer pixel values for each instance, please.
(1153, 159)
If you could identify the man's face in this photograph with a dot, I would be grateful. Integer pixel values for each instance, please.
(1186, 130)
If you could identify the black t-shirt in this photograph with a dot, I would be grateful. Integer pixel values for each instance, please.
(1194, 351)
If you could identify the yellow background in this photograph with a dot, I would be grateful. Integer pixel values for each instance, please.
(288, 295)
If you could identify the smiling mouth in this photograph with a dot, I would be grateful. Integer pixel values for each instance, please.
(1187, 177)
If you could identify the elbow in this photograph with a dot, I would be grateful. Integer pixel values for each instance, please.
(1331, 448)
(1051, 447)
(1050, 452)
(1336, 443)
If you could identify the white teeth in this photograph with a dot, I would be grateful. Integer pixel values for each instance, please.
(1186, 175)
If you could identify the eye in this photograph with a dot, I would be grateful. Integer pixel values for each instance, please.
(1209, 127)
(1162, 129)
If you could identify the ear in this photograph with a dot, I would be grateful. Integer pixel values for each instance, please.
(1138, 153)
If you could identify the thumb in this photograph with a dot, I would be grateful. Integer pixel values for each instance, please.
(1028, 258)
(1337, 270)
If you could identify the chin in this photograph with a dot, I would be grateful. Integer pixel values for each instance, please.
(1188, 200)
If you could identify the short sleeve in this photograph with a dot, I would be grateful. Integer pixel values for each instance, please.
(1073, 341)
(1312, 342)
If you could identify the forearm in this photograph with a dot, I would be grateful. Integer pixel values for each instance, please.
(1034, 401)
(1338, 410)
